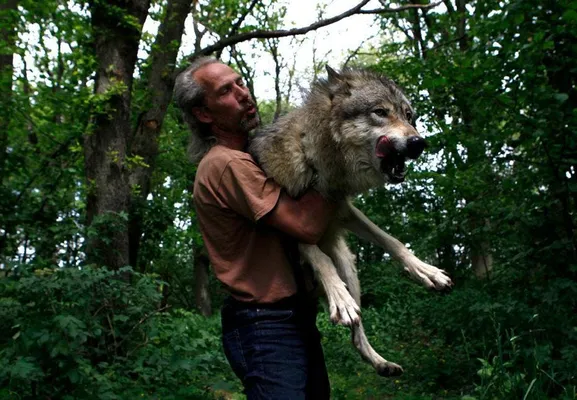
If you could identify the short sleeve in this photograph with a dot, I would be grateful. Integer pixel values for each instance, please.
(246, 189)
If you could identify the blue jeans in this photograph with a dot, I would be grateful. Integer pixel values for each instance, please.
(275, 349)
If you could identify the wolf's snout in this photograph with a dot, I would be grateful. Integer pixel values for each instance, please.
(415, 147)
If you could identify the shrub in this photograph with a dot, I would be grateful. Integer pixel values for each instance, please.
(68, 333)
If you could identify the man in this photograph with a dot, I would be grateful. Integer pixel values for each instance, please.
(251, 229)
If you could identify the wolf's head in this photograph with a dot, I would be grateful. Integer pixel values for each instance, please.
(370, 111)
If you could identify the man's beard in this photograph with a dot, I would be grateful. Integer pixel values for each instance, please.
(247, 124)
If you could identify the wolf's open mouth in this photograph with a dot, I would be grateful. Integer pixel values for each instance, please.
(394, 167)
(392, 161)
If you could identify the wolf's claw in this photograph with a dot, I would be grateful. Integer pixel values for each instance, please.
(343, 308)
(430, 276)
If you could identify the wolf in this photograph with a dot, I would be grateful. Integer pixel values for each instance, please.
(355, 131)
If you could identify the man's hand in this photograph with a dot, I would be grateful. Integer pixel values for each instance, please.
(306, 218)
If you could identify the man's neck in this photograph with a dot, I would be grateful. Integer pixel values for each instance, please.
(232, 140)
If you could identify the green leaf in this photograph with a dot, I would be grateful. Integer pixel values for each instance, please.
(121, 318)
(74, 376)
(570, 16)
(24, 368)
(561, 97)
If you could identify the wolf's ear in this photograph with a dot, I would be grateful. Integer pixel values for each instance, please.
(338, 84)
(333, 75)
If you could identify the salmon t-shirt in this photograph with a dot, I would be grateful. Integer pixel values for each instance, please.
(231, 193)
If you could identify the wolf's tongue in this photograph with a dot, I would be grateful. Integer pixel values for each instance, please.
(383, 147)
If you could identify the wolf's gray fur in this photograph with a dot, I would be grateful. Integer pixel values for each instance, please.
(354, 132)
(332, 138)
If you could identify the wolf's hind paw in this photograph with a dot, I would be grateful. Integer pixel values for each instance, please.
(389, 369)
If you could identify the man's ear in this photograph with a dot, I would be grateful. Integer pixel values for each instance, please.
(202, 114)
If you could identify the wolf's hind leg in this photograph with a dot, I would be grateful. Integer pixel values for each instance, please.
(342, 307)
(382, 366)
(344, 261)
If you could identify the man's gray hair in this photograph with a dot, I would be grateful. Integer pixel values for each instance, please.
(188, 93)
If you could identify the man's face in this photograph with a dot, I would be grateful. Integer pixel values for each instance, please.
(228, 103)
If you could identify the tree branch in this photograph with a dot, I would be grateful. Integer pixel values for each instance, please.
(399, 9)
(404, 30)
(263, 34)
(449, 6)
(234, 29)
(245, 71)
(198, 34)
(448, 42)
(420, 45)
(430, 29)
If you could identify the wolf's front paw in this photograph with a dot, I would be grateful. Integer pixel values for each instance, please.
(343, 308)
(430, 276)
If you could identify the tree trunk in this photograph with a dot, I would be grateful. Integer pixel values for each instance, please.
(480, 248)
(144, 143)
(9, 17)
(478, 243)
(8, 12)
(273, 49)
(482, 260)
(117, 26)
(201, 289)
(562, 78)
(479, 224)
(481, 256)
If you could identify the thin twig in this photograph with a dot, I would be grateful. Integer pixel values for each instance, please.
(448, 42)
(357, 51)
(142, 320)
(112, 331)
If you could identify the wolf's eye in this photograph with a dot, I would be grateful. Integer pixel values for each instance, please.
(409, 116)
(381, 112)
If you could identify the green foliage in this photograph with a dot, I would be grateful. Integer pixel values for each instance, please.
(485, 340)
(495, 87)
(87, 334)
(41, 192)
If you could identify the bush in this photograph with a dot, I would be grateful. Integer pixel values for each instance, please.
(86, 334)
(68, 333)
(486, 340)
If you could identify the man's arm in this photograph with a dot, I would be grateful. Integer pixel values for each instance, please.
(305, 218)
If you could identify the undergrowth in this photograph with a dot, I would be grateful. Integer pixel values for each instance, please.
(86, 334)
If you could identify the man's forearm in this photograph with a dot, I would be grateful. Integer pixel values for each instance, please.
(305, 218)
